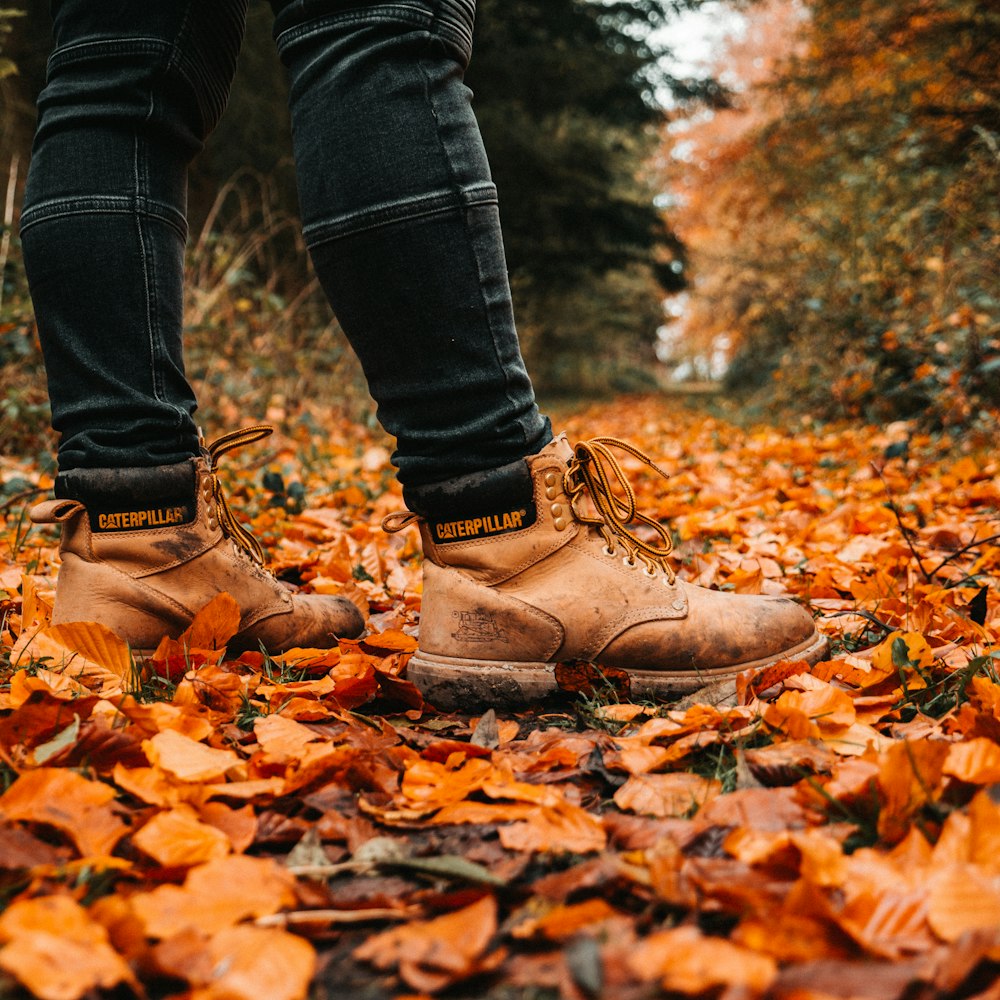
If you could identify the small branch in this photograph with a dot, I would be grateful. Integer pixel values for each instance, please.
(974, 544)
(902, 527)
(334, 917)
(18, 497)
(328, 871)
(867, 615)
(8, 217)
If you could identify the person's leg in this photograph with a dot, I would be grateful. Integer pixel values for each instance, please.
(400, 215)
(147, 537)
(128, 102)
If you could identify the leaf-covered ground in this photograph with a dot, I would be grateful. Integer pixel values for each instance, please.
(276, 828)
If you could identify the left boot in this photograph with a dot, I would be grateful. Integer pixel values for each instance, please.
(534, 564)
(144, 549)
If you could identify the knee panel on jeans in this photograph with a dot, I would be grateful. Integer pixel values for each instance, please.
(171, 64)
(451, 21)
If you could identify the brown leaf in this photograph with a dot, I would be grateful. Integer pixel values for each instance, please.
(240, 963)
(433, 954)
(78, 808)
(178, 839)
(187, 759)
(213, 626)
(684, 961)
(215, 895)
(56, 951)
(589, 679)
(675, 794)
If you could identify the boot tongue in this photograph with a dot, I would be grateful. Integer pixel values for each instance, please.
(132, 499)
(478, 505)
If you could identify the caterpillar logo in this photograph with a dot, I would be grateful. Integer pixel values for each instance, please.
(482, 527)
(124, 520)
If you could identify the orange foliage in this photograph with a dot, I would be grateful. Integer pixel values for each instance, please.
(219, 821)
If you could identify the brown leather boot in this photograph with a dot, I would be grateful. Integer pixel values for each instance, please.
(144, 549)
(533, 565)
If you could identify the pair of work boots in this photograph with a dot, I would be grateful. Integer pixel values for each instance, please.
(525, 567)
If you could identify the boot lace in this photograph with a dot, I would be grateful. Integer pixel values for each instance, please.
(232, 528)
(594, 470)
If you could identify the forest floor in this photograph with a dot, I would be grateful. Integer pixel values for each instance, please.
(305, 826)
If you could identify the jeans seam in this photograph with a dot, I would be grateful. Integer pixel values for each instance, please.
(58, 208)
(416, 16)
(472, 252)
(367, 219)
(77, 51)
(383, 13)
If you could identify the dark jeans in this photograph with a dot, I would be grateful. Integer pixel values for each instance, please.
(398, 208)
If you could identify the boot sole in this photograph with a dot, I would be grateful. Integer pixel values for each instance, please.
(452, 683)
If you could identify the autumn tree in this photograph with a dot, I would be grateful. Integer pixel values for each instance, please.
(847, 231)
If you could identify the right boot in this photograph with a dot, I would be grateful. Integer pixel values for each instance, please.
(533, 565)
(143, 549)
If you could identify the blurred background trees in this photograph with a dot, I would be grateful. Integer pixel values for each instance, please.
(843, 219)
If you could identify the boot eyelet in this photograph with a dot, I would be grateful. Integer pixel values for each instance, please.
(551, 493)
(560, 524)
(651, 573)
(212, 523)
(628, 562)
(558, 510)
(551, 479)
(608, 551)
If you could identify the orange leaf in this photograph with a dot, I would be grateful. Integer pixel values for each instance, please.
(581, 677)
(561, 827)
(214, 625)
(917, 651)
(976, 761)
(686, 962)
(563, 922)
(57, 951)
(87, 652)
(435, 953)
(177, 838)
(962, 899)
(239, 825)
(674, 794)
(216, 895)
(79, 808)
(241, 963)
(188, 759)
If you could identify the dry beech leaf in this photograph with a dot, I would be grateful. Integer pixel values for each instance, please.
(240, 963)
(581, 677)
(435, 953)
(215, 895)
(187, 759)
(675, 794)
(177, 838)
(214, 625)
(562, 922)
(686, 962)
(561, 827)
(96, 643)
(100, 663)
(78, 808)
(962, 899)
(976, 761)
(54, 949)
